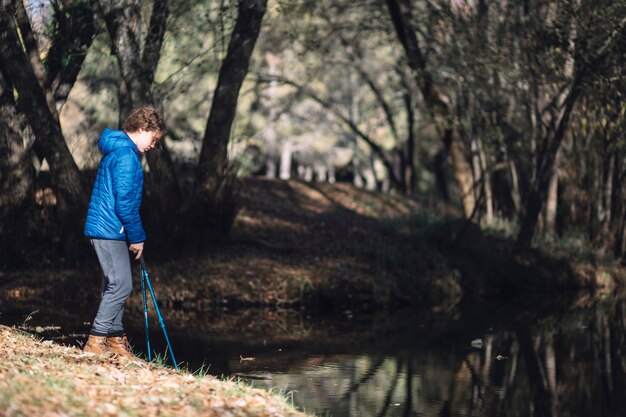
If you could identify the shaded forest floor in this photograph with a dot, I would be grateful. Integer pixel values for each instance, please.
(330, 247)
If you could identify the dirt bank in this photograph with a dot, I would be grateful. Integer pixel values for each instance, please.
(330, 247)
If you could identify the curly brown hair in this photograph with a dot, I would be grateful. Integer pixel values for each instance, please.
(146, 118)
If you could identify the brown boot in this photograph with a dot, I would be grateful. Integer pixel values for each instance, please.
(119, 345)
(96, 344)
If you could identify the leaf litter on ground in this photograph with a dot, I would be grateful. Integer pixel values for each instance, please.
(46, 379)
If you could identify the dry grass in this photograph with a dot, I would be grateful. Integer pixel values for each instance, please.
(44, 379)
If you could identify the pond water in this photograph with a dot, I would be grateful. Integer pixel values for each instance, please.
(543, 356)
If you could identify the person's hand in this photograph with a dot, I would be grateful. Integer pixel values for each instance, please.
(137, 249)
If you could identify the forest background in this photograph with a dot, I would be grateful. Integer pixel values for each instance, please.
(512, 111)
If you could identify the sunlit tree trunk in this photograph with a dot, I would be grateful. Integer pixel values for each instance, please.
(320, 172)
(369, 173)
(357, 179)
(552, 202)
(516, 195)
(352, 124)
(272, 146)
(331, 173)
(308, 173)
(286, 154)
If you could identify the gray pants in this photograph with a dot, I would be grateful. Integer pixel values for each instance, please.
(117, 285)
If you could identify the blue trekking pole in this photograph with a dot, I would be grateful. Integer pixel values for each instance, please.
(145, 310)
(145, 279)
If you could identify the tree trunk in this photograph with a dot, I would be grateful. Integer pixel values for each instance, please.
(400, 169)
(461, 169)
(439, 168)
(552, 202)
(285, 160)
(357, 179)
(409, 175)
(475, 164)
(213, 156)
(122, 20)
(606, 196)
(551, 144)
(154, 39)
(436, 102)
(32, 51)
(516, 195)
(321, 172)
(270, 129)
(620, 241)
(539, 187)
(618, 220)
(308, 174)
(16, 168)
(214, 187)
(594, 190)
(351, 123)
(16, 176)
(331, 173)
(68, 50)
(487, 189)
(50, 142)
(272, 149)
(399, 166)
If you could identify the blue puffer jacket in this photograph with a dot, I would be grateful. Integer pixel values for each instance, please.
(116, 197)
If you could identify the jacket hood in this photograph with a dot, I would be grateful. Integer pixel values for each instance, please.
(111, 140)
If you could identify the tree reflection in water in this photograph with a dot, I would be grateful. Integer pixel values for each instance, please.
(570, 364)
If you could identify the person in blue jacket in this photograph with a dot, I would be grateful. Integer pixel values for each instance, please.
(114, 224)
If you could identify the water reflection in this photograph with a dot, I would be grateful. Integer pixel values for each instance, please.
(566, 364)
(563, 358)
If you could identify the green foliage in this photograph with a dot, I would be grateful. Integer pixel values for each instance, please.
(501, 227)
(328, 76)
(573, 246)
